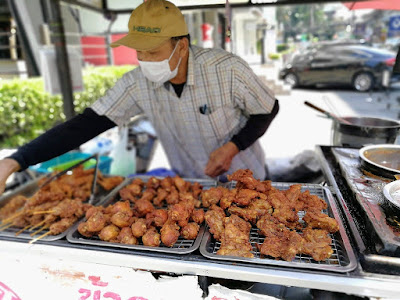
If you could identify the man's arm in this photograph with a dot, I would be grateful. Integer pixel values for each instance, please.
(56, 141)
(221, 159)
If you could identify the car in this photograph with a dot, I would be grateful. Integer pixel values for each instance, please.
(359, 66)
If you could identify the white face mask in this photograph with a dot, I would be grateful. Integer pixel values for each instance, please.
(159, 71)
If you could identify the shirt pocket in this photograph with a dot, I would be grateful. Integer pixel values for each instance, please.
(220, 122)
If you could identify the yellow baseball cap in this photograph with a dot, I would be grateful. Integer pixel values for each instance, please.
(151, 24)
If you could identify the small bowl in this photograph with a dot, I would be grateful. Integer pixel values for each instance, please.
(391, 191)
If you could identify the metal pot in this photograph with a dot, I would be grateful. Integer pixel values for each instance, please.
(364, 131)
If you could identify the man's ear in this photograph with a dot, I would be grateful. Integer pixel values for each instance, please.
(183, 47)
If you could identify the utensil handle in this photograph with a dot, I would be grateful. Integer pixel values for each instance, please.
(316, 107)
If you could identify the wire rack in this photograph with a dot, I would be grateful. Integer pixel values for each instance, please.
(181, 246)
(342, 259)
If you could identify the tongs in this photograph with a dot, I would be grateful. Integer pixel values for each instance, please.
(328, 114)
(93, 188)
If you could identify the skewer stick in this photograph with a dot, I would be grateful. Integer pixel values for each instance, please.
(43, 212)
(38, 224)
(5, 227)
(7, 220)
(39, 230)
(23, 229)
(40, 237)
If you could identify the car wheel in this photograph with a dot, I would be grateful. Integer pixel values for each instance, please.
(363, 82)
(291, 79)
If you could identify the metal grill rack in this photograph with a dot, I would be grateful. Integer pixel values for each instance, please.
(182, 246)
(342, 259)
(29, 189)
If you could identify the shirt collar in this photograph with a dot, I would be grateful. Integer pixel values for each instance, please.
(190, 73)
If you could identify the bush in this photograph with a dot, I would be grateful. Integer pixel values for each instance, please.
(26, 110)
(274, 56)
(282, 47)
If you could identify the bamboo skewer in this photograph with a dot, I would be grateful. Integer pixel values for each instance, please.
(40, 237)
(7, 220)
(38, 224)
(5, 227)
(43, 212)
(23, 229)
(39, 230)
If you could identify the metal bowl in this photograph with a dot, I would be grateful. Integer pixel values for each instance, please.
(382, 160)
(391, 191)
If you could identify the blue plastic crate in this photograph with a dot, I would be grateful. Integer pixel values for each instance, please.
(66, 160)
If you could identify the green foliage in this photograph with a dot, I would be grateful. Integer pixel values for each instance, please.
(274, 56)
(26, 110)
(282, 47)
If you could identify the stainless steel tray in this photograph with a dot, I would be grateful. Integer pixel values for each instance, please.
(342, 260)
(28, 190)
(368, 191)
(182, 246)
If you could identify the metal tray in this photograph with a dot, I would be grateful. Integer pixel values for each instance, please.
(342, 260)
(182, 246)
(28, 190)
(368, 192)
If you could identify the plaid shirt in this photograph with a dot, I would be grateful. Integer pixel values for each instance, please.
(221, 92)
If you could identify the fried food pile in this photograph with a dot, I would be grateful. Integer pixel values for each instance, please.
(151, 213)
(57, 205)
(274, 213)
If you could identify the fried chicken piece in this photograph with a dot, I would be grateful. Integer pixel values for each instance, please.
(312, 202)
(246, 213)
(245, 196)
(196, 189)
(139, 227)
(180, 213)
(317, 244)
(166, 183)
(213, 195)
(173, 197)
(12, 206)
(161, 196)
(151, 238)
(121, 219)
(127, 193)
(180, 184)
(235, 238)
(109, 183)
(62, 225)
(261, 206)
(153, 183)
(170, 233)
(96, 222)
(215, 220)
(283, 211)
(83, 230)
(123, 206)
(246, 180)
(198, 216)
(190, 231)
(148, 195)
(157, 217)
(92, 210)
(320, 220)
(143, 207)
(292, 194)
(108, 233)
(125, 236)
(227, 199)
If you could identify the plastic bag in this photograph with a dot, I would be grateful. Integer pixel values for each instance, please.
(123, 155)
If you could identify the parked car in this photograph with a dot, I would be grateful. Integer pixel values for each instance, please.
(360, 66)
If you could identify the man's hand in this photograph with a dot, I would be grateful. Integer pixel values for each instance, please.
(221, 159)
(7, 167)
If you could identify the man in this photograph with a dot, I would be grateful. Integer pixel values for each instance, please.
(207, 106)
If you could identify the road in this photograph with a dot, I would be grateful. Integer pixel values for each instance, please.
(298, 128)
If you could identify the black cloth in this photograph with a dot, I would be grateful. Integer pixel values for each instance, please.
(255, 127)
(396, 67)
(62, 138)
(178, 88)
